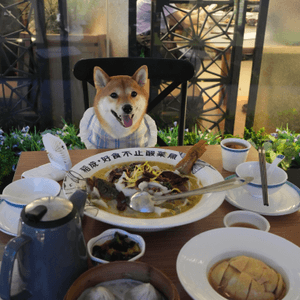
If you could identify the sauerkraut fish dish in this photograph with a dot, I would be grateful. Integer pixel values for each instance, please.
(108, 188)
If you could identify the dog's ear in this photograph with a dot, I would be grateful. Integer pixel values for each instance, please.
(141, 75)
(100, 78)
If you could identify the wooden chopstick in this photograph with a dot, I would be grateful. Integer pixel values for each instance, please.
(263, 174)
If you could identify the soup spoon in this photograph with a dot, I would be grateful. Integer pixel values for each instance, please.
(144, 202)
(274, 164)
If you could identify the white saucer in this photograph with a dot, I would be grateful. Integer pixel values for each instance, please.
(285, 201)
(9, 218)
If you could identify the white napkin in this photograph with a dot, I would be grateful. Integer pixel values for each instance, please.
(59, 158)
(46, 171)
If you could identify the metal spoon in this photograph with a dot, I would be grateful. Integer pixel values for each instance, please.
(144, 202)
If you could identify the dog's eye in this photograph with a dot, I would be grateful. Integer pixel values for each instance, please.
(133, 94)
(114, 95)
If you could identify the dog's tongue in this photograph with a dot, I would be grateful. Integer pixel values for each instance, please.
(127, 121)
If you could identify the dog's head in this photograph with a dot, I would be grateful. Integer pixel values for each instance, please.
(121, 101)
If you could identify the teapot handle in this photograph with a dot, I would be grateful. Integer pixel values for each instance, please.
(9, 257)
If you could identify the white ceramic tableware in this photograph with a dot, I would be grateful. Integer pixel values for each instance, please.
(18, 194)
(232, 157)
(274, 164)
(244, 218)
(285, 201)
(9, 217)
(199, 254)
(109, 235)
(275, 181)
(206, 173)
(29, 189)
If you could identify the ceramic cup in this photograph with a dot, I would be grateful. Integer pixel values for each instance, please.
(234, 152)
(248, 219)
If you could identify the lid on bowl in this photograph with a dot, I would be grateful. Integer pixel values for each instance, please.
(48, 212)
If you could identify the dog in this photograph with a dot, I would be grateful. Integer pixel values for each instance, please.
(118, 117)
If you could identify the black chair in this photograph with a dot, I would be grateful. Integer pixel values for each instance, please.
(178, 72)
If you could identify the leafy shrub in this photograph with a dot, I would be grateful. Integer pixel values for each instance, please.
(13, 143)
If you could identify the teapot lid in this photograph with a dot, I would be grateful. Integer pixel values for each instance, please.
(48, 209)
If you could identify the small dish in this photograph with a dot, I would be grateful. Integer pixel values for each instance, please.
(109, 235)
(275, 180)
(248, 219)
(29, 189)
(285, 201)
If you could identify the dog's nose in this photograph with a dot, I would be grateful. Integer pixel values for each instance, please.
(127, 108)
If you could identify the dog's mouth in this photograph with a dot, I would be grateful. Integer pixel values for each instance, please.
(125, 120)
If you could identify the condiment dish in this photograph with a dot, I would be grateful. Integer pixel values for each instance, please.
(248, 219)
(109, 235)
(275, 180)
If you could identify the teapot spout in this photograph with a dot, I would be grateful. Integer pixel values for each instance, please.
(78, 199)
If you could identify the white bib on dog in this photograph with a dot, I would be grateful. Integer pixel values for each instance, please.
(94, 136)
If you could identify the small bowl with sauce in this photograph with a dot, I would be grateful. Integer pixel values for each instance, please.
(246, 219)
(234, 152)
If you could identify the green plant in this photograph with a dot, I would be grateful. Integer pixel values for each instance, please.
(170, 136)
(286, 142)
(256, 138)
(283, 141)
(13, 143)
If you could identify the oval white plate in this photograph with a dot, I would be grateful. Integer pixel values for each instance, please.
(200, 253)
(283, 202)
(205, 172)
(29, 189)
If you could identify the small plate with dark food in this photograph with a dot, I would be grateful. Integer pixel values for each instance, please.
(109, 177)
(114, 245)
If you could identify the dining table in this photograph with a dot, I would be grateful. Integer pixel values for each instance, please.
(163, 247)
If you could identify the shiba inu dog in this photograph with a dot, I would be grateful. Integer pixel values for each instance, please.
(118, 117)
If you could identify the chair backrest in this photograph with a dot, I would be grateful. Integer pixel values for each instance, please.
(178, 72)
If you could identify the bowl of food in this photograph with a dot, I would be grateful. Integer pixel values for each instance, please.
(107, 174)
(247, 219)
(114, 245)
(239, 263)
(275, 180)
(123, 280)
